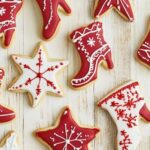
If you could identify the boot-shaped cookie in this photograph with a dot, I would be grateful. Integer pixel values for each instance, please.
(8, 12)
(6, 114)
(92, 49)
(49, 9)
(144, 51)
(10, 142)
(122, 6)
(124, 106)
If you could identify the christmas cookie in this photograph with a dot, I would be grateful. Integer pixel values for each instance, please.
(67, 134)
(9, 142)
(144, 51)
(122, 6)
(124, 106)
(38, 75)
(8, 12)
(51, 19)
(145, 113)
(93, 49)
(2, 73)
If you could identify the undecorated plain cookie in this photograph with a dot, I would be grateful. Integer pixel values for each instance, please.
(37, 75)
(66, 134)
(8, 11)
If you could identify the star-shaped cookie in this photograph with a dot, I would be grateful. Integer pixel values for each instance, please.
(67, 134)
(38, 75)
(122, 6)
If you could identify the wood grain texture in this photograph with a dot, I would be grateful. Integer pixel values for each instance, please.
(124, 39)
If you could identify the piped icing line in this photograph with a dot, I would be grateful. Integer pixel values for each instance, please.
(143, 52)
(92, 49)
(67, 134)
(145, 113)
(8, 12)
(6, 114)
(10, 142)
(122, 6)
(51, 19)
(2, 74)
(38, 75)
(124, 105)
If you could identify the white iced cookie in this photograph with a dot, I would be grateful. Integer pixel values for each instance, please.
(10, 142)
(38, 75)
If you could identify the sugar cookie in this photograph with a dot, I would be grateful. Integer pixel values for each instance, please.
(122, 6)
(124, 106)
(8, 12)
(67, 134)
(38, 75)
(93, 50)
(51, 20)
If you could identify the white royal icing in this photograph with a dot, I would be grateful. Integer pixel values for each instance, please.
(39, 75)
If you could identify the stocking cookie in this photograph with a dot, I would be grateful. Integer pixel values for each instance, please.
(38, 75)
(10, 142)
(8, 12)
(49, 10)
(67, 134)
(93, 50)
(122, 6)
(124, 106)
(144, 51)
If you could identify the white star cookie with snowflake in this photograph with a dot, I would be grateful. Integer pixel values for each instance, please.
(38, 75)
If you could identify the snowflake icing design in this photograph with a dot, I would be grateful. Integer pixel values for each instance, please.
(2, 11)
(91, 42)
(38, 75)
(68, 140)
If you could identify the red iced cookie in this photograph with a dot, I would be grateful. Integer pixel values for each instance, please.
(122, 6)
(144, 51)
(67, 134)
(49, 9)
(8, 12)
(93, 49)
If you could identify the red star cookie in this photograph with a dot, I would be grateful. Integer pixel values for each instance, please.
(124, 105)
(38, 75)
(144, 51)
(67, 134)
(93, 50)
(122, 6)
(49, 9)
(8, 12)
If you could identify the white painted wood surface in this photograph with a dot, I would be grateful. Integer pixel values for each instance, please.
(124, 39)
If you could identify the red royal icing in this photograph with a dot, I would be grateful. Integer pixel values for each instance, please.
(92, 49)
(49, 9)
(8, 12)
(68, 135)
(144, 51)
(6, 114)
(124, 106)
(2, 74)
(123, 6)
(145, 113)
